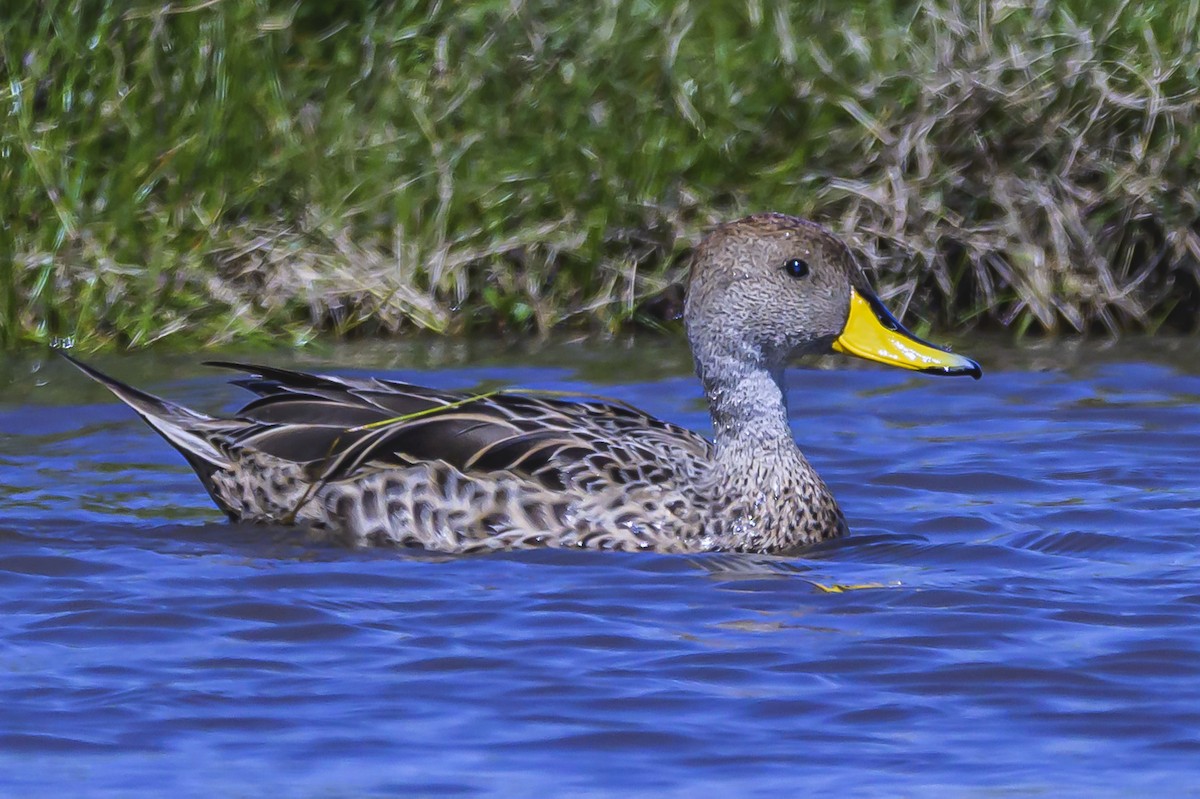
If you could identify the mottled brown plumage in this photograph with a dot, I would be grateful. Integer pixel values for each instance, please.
(379, 462)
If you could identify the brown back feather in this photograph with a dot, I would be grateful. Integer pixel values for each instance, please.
(319, 421)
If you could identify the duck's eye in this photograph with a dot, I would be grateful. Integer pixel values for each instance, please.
(795, 267)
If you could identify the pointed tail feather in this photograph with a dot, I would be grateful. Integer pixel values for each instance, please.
(175, 423)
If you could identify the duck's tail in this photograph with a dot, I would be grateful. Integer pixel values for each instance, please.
(183, 428)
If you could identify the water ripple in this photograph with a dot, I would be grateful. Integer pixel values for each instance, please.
(1015, 614)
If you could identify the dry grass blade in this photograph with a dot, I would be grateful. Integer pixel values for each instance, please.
(222, 171)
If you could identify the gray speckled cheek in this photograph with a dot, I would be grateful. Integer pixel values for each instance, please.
(739, 284)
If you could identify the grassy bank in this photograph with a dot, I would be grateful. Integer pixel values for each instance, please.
(223, 170)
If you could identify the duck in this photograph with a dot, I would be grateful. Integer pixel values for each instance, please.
(379, 462)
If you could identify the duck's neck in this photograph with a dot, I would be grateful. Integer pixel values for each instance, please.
(748, 403)
(761, 493)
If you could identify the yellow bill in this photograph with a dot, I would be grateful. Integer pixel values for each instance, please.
(873, 333)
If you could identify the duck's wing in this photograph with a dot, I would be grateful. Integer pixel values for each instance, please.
(339, 426)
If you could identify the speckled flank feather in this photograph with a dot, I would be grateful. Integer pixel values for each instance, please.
(378, 462)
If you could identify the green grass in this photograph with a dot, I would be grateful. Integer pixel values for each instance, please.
(239, 169)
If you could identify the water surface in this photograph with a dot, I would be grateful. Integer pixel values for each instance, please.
(1033, 629)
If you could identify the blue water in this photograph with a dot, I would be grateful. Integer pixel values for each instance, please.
(1021, 614)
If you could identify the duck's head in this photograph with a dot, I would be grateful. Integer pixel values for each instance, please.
(770, 286)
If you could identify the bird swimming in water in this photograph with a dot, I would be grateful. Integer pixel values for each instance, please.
(384, 463)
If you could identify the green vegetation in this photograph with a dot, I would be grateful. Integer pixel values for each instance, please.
(235, 169)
